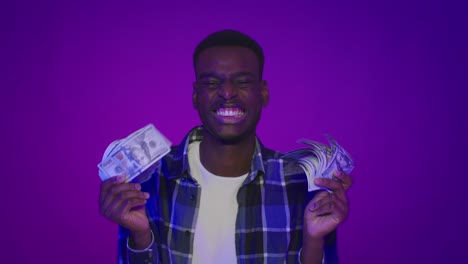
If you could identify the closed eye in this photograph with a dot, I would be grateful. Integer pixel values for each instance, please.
(243, 83)
(209, 83)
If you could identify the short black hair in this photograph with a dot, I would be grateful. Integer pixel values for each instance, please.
(229, 37)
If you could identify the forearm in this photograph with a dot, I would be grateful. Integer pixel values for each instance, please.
(140, 240)
(312, 251)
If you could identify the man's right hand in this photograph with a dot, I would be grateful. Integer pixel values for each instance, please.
(124, 204)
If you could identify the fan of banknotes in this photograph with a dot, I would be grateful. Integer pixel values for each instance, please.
(135, 155)
(320, 160)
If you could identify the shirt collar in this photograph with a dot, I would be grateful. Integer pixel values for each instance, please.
(179, 164)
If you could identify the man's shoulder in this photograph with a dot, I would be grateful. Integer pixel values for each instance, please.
(271, 153)
(178, 152)
(174, 153)
(275, 161)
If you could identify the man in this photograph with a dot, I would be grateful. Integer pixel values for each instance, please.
(221, 196)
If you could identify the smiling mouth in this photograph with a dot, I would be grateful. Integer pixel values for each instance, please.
(229, 115)
(229, 112)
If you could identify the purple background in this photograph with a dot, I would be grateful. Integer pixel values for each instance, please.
(387, 80)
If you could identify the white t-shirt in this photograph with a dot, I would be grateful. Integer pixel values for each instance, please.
(214, 240)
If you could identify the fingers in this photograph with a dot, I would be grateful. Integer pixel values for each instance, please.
(334, 185)
(338, 213)
(337, 189)
(339, 184)
(119, 209)
(319, 198)
(331, 184)
(105, 185)
(118, 197)
(122, 192)
(326, 203)
(344, 178)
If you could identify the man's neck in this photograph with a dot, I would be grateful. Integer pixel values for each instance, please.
(229, 160)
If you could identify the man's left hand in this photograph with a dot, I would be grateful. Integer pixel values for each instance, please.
(327, 210)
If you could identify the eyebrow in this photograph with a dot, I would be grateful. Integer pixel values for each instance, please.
(208, 74)
(233, 75)
(242, 73)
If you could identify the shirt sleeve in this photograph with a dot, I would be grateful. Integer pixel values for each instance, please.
(330, 249)
(128, 255)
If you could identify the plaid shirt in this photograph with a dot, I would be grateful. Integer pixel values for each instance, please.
(269, 221)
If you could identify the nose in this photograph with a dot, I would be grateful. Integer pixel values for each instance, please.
(227, 90)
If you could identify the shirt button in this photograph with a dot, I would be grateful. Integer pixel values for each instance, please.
(192, 197)
(187, 233)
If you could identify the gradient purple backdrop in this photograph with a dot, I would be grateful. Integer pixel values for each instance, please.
(388, 81)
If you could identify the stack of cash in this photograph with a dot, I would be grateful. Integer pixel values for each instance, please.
(320, 160)
(135, 154)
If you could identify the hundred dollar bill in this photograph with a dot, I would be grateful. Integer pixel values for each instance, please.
(320, 160)
(134, 155)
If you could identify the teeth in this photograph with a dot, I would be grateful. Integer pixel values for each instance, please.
(229, 112)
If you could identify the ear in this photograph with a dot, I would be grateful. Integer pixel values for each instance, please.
(194, 95)
(265, 93)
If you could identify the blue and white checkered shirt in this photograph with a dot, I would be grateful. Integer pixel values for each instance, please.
(269, 221)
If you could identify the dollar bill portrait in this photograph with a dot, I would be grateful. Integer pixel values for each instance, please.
(140, 153)
(344, 163)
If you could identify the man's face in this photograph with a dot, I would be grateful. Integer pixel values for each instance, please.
(229, 93)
